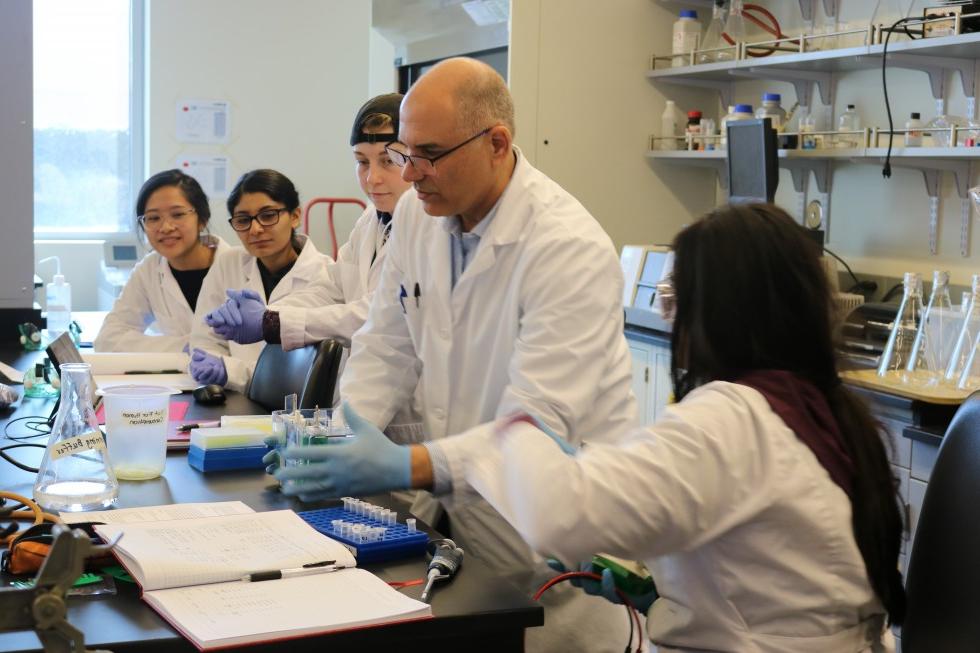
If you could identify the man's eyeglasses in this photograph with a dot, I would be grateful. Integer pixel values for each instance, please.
(427, 164)
(153, 221)
(266, 218)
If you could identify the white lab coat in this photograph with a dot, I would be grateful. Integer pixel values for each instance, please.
(534, 323)
(235, 270)
(152, 299)
(747, 537)
(336, 303)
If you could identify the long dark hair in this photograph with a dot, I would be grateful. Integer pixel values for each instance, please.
(751, 295)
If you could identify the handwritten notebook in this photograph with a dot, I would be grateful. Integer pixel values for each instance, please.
(191, 569)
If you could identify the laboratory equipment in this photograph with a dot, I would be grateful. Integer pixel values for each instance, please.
(446, 560)
(965, 340)
(644, 266)
(940, 128)
(707, 133)
(30, 337)
(693, 130)
(895, 358)
(808, 125)
(936, 335)
(227, 447)
(770, 108)
(848, 123)
(714, 47)
(687, 37)
(735, 113)
(630, 576)
(136, 429)
(670, 126)
(76, 473)
(753, 165)
(913, 137)
(118, 260)
(57, 300)
(734, 31)
(370, 532)
(41, 380)
(7, 395)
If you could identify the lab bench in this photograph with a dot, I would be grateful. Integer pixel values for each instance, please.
(475, 612)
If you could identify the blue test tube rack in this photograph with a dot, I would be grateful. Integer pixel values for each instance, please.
(366, 545)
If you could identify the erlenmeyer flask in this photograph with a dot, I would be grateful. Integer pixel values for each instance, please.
(895, 358)
(734, 32)
(713, 38)
(75, 473)
(933, 341)
(964, 342)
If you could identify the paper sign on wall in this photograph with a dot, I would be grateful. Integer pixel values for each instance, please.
(203, 121)
(212, 172)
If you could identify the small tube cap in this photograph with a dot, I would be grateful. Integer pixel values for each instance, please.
(688, 13)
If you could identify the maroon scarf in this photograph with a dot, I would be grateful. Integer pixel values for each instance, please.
(805, 410)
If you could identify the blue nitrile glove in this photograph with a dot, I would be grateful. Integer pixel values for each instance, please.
(239, 318)
(208, 368)
(565, 445)
(606, 588)
(273, 459)
(367, 463)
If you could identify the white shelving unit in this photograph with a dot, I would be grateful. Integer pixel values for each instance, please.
(821, 68)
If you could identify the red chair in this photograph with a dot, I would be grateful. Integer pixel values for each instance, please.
(330, 202)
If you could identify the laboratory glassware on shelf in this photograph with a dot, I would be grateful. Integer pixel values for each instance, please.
(714, 47)
(75, 473)
(734, 31)
(848, 124)
(671, 122)
(936, 335)
(966, 337)
(895, 358)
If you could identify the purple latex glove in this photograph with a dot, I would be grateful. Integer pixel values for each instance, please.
(208, 368)
(239, 318)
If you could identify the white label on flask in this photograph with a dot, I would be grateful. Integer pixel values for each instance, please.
(142, 417)
(91, 441)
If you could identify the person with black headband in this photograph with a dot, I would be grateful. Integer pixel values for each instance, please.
(336, 304)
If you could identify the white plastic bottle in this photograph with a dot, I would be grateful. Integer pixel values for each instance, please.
(687, 37)
(913, 137)
(58, 298)
(671, 123)
(849, 121)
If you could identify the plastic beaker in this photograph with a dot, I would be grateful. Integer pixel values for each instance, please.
(136, 429)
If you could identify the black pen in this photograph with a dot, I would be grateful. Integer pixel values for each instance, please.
(153, 372)
(324, 567)
(183, 428)
(418, 293)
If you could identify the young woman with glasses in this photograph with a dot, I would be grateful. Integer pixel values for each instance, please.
(155, 311)
(275, 262)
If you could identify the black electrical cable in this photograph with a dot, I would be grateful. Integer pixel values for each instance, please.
(17, 463)
(39, 426)
(891, 292)
(864, 287)
(886, 170)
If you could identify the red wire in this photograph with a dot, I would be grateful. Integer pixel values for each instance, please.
(568, 575)
(773, 28)
(399, 584)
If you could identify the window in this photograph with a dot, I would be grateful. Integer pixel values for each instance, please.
(87, 116)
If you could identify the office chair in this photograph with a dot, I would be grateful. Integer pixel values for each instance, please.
(310, 372)
(943, 580)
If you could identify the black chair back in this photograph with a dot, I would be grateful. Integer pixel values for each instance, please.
(943, 580)
(310, 372)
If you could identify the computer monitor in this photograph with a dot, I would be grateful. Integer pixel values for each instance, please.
(753, 168)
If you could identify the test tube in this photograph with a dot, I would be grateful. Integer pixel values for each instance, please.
(391, 517)
(410, 522)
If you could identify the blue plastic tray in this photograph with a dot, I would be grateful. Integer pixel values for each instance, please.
(215, 460)
(398, 542)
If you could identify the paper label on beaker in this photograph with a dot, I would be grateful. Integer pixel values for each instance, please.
(91, 441)
(142, 417)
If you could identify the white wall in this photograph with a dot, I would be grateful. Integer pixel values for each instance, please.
(577, 73)
(295, 74)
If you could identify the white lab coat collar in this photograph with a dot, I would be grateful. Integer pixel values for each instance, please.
(307, 266)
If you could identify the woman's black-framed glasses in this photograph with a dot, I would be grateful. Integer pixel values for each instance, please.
(266, 218)
(427, 164)
(153, 221)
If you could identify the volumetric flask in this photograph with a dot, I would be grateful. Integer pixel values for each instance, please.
(895, 359)
(936, 335)
(75, 473)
